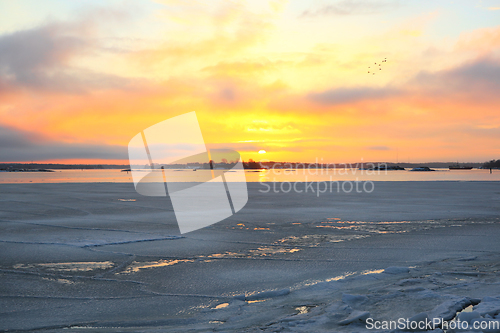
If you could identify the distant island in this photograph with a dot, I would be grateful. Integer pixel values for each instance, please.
(250, 164)
(50, 167)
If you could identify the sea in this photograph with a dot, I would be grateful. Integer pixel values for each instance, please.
(261, 175)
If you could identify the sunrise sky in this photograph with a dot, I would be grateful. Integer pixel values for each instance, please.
(79, 79)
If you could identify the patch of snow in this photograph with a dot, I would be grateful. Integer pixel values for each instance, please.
(448, 309)
(396, 270)
(355, 317)
(423, 316)
(468, 316)
(467, 258)
(268, 294)
(488, 306)
(354, 299)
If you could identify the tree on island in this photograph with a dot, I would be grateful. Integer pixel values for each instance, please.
(251, 164)
(492, 164)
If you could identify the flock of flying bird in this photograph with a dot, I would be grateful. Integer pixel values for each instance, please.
(379, 67)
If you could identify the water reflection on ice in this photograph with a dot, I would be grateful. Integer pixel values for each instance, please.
(137, 266)
(259, 252)
(315, 240)
(220, 306)
(68, 266)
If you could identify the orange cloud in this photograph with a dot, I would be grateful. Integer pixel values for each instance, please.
(480, 41)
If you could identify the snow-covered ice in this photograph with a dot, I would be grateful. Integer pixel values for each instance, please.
(88, 257)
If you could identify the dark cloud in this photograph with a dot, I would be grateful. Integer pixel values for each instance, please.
(486, 70)
(482, 75)
(20, 146)
(478, 80)
(351, 95)
(25, 55)
(352, 7)
(13, 139)
(31, 58)
(40, 59)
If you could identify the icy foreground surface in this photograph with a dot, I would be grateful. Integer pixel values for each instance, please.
(99, 257)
